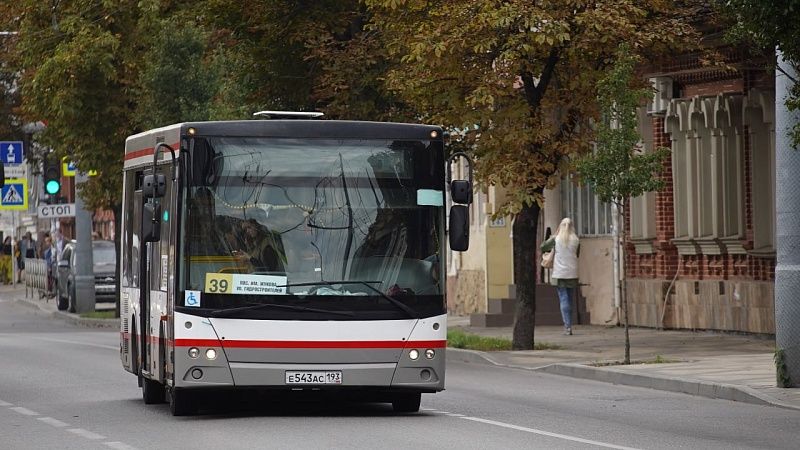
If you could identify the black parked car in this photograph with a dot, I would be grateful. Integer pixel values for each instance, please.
(105, 286)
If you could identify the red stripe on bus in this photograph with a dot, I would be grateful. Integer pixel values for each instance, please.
(307, 344)
(145, 152)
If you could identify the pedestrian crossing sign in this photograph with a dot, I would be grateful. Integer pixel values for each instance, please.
(14, 195)
(67, 168)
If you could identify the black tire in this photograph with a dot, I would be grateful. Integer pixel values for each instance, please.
(152, 391)
(181, 402)
(406, 403)
(71, 298)
(61, 302)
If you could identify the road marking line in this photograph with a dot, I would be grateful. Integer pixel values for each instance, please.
(53, 422)
(443, 412)
(456, 415)
(119, 445)
(2, 403)
(24, 411)
(547, 433)
(88, 344)
(86, 433)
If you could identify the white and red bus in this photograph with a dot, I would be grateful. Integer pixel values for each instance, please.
(287, 254)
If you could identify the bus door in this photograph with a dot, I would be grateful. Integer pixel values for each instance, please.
(156, 289)
(144, 298)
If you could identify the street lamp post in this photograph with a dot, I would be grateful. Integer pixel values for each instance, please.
(787, 208)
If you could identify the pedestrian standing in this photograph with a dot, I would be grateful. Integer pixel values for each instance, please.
(26, 250)
(566, 246)
(6, 261)
(48, 254)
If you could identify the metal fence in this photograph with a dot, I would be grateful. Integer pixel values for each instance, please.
(36, 277)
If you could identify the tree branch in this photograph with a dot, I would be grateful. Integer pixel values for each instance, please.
(535, 92)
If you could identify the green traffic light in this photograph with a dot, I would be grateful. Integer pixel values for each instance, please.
(52, 187)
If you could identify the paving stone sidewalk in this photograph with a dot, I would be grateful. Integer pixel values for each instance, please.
(710, 364)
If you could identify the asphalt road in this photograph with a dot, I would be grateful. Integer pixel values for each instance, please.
(63, 387)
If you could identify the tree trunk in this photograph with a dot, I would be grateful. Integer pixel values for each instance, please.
(525, 227)
(623, 239)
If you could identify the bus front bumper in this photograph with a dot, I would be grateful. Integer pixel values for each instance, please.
(425, 375)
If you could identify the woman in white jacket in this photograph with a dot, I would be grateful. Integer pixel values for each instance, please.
(565, 267)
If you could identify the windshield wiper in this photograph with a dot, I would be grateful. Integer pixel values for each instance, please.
(411, 313)
(254, 306)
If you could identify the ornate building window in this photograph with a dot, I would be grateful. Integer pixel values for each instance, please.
(642, 208)
(579, 202)
(708, 166)
(759, 117)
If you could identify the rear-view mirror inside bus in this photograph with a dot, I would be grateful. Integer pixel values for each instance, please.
(151, 226)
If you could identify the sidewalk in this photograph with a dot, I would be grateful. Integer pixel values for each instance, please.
(708, 364)
(48, 306)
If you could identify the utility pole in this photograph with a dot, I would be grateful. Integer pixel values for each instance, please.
(84, 267)
(787, 208)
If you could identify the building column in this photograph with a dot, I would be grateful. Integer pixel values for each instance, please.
(787, 271)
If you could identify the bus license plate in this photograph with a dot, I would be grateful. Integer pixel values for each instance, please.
(314, 377)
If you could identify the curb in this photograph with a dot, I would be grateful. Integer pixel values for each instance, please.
(72, 318)
(697, 388)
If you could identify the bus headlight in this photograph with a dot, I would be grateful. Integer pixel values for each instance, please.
(194, 352)
(413, 354)
(211, 354)
(429, 353)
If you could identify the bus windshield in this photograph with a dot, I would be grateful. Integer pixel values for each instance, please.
(331, 223)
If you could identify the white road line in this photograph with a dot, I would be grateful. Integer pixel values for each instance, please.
(86, 433)
(547, 433)
(119, 445)
(53, 422)
(88, 344)
(24, 411)
(456, 415)
(2, 403)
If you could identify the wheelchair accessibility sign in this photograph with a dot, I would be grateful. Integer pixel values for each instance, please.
(192, 298)
(14, 195)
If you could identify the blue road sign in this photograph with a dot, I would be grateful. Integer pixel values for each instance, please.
(11, 152)
(14, 195)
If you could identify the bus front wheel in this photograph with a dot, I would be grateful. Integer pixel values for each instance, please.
(406, 403)
(181, 402)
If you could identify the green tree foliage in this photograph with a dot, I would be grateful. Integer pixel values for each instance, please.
(618, 170)
(768, 25)
(9, 94)
(305, 55)
(167, 95)
(519, 77)
(76, 78)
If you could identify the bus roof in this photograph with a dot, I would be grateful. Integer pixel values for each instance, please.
(139, 147)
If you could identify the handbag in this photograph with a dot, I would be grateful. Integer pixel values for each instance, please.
(547, 259)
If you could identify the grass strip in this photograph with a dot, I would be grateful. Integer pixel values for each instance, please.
(98, 314)
(469, 341)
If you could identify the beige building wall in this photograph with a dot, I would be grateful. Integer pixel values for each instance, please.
(466, 274)
(595, 269)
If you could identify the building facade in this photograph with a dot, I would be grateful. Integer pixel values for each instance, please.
(701, 253)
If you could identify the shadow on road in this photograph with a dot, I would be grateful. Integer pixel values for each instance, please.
(236, 404)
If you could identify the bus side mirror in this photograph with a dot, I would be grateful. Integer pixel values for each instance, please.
(459, 228)
(461, 191)
(154, 186)
(151, 226)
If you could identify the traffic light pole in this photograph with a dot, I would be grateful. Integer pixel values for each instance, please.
(84, 267)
